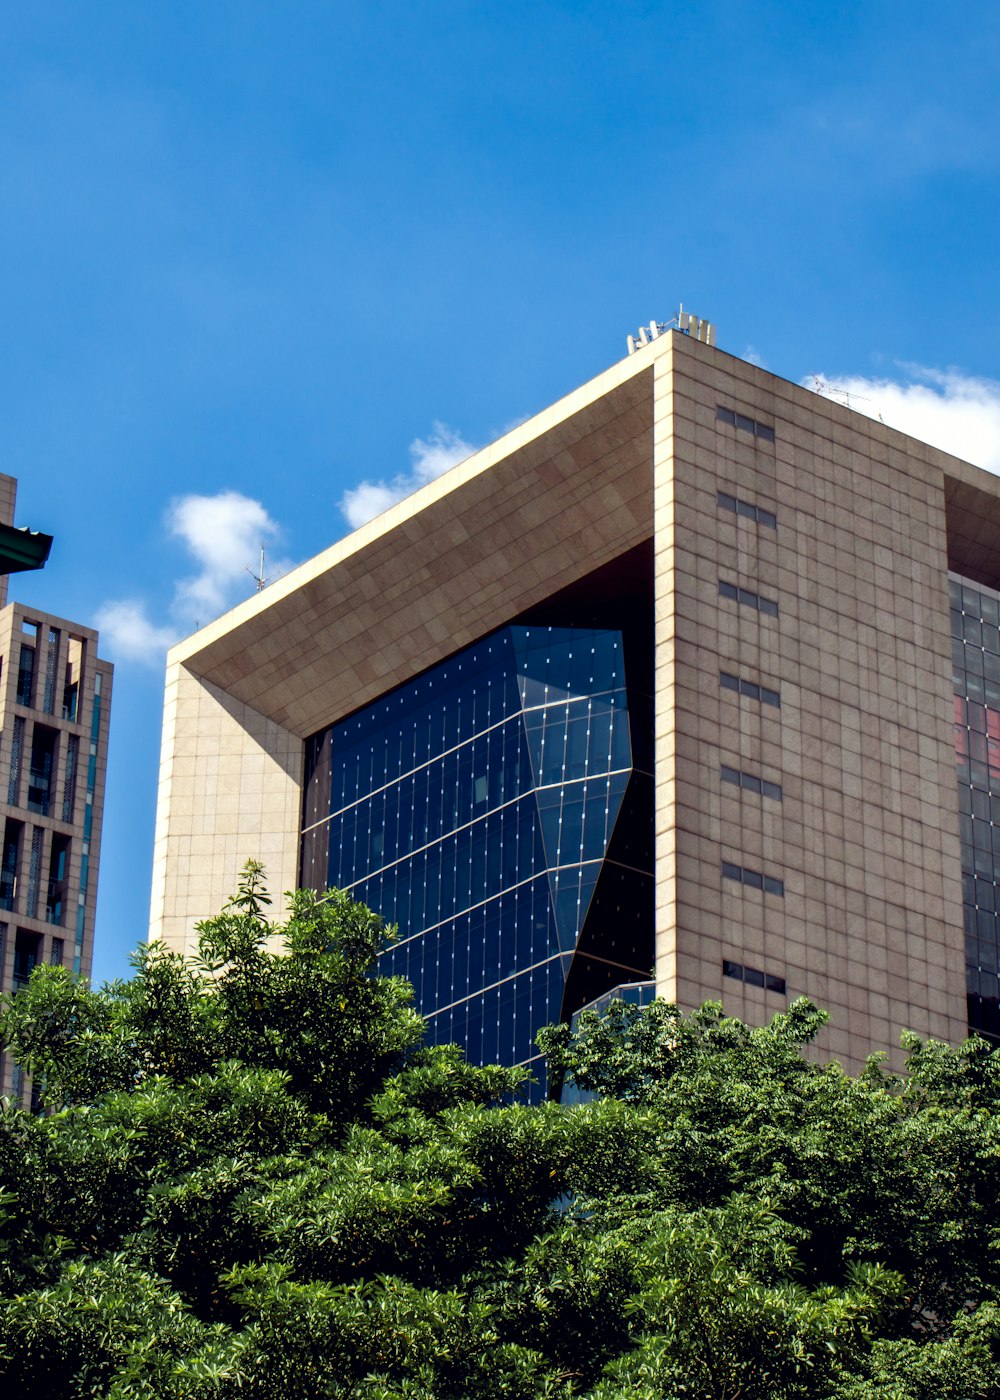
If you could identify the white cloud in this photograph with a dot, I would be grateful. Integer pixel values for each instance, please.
(429, 457)
(947, 408)
(128, 633)
(223, 534)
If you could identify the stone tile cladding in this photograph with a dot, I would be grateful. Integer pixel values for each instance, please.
(230, 791)
(865, 837)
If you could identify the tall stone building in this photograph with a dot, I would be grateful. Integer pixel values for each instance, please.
(662, 686)
(55, 700)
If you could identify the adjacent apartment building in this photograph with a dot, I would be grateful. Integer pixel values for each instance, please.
(692, 680)
(55, 699)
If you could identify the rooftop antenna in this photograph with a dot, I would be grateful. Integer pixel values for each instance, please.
(260, 579)
(836, 392)
(685, 322)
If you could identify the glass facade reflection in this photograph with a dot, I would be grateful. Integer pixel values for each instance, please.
(975, 631)
(499, 810)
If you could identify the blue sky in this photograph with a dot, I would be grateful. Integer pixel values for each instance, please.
(265, 265)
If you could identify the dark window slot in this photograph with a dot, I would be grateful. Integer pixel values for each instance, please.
(748, 598)
(751, 782)
(750, 689)
(744, 424)
(753, 976)
(755, 879)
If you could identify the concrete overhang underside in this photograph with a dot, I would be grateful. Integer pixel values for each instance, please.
(554, 500)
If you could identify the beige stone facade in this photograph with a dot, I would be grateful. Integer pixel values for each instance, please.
(55, 702)
(865, 836)
(802, 638)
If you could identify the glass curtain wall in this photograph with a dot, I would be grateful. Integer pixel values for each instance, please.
(476, 808)
(975, 631)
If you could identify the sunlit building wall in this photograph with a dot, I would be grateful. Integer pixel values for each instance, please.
(777, 567)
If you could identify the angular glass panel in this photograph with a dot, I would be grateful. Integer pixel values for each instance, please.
(473, 807)
(573, 890)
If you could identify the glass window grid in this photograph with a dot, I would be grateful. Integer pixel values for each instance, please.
(403, 819)
(975, 627)
(499, 826)
(609, 706)
(465, 976)
(464, 697)
(563, 826)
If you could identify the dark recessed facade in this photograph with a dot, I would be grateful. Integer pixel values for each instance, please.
(975, 630)
(498, 809)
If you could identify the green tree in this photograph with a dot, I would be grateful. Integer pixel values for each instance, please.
(255, 1180)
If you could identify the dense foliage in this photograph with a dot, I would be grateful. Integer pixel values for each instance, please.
(255, 1181)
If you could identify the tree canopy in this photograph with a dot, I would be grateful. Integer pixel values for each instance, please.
(254, 1179)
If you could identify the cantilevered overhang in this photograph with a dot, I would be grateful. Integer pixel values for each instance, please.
(560, 496)
(22, 549)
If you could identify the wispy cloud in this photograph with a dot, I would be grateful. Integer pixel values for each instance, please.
(223, 534)
(429, 457)
(949, 409)
(129, 634)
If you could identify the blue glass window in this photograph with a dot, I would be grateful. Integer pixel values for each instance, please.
(476, 808)
(975, 629)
